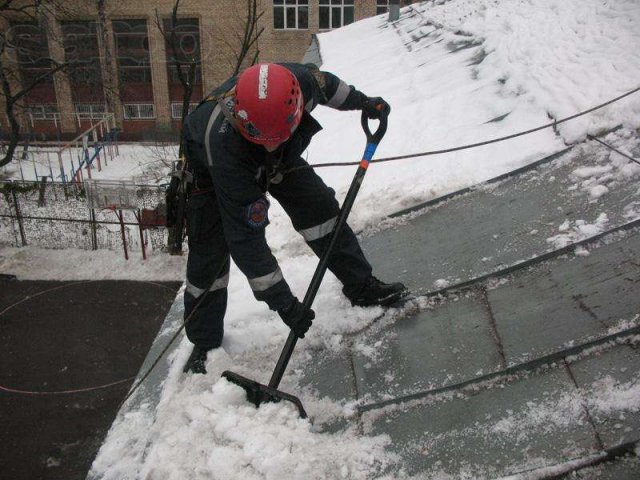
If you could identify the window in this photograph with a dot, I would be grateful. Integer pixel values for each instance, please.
(80, 40)
(176, 109)
(186, 50)
(90, 110)
(290, 14)
(132, 51)
(382, 6)
(335, 13)
(32, 52)
(139, 111)
(43, 112)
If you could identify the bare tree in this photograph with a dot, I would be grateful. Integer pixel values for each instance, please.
(242, 45)
(109, 80)
(12, 89)
(185, 64)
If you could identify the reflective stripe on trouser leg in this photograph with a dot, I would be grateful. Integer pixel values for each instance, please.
(308, 202)
(221, 282)
(205, 325)
(260, 284)
(318, 231)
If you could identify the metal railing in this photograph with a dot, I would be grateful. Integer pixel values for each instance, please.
(58, 215)
(104, 135)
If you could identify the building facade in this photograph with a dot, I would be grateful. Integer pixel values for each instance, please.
(124, 57)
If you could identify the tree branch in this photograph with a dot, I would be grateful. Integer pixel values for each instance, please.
(39, 79)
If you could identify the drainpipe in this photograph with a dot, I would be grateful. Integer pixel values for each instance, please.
(394, 10)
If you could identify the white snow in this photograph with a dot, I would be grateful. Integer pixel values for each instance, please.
(143, 164)
(580, 230)
(529, 60)
(210, 431)
(72, 264)
(442, 283)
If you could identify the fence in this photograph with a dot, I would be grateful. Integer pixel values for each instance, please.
(90, 216)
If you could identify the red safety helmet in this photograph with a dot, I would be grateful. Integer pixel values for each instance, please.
(268, 105)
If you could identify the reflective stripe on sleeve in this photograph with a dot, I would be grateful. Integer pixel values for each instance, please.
(219, 284)
(260, 284)
(319, 231)
(340, 96)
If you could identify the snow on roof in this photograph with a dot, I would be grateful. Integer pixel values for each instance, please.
(454, 72)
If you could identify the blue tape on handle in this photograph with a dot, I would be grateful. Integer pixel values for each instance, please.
(370, 151)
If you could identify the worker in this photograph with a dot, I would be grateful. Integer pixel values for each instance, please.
(244, 144)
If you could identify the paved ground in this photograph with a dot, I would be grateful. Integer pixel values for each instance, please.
(59, 336)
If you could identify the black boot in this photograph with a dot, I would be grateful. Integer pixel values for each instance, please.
(196, 362)
(375, 292)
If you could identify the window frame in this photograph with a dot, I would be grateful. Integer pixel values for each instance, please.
(296, 7)
(46, 112)
(133, 56)
(91, 111)
(187, 28)
(32, 53)
(176, 109)
(139, 111)
(332, 5)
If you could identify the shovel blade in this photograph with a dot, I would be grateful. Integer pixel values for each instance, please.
(258, 393)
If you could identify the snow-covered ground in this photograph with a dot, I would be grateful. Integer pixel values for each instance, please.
(531, 60)
(144, 164)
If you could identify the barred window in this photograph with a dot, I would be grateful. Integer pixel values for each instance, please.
(335, 13)
(290, 14)
(91, 110)
(139, 111)
(176, 109)
(43, 112)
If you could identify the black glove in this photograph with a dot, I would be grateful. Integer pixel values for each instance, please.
(376, 107)
(297, 317)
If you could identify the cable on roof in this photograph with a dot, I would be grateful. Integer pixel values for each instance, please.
(478, 144)
(591, 137)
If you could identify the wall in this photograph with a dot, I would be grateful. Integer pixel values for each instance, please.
(220, 23)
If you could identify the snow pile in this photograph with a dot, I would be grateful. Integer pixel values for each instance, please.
(612, 396)
(612, 169)
(212, 431)
(580, 230)
(632, 211)
(465, 71)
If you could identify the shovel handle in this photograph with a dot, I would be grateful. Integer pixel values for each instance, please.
(375, 137)
(372, 144)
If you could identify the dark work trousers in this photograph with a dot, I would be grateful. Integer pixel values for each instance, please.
(313, 210)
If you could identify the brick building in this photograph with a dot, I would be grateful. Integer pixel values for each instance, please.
(124, 64)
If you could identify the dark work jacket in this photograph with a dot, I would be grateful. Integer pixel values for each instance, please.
(239, 171)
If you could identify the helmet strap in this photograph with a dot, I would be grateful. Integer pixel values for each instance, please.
(223, 102)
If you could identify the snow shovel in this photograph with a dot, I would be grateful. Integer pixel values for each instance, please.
(258, 393)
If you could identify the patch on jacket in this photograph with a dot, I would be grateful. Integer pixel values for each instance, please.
(257, 213)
